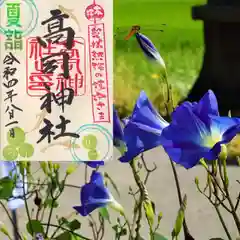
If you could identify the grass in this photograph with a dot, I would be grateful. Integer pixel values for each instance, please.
(180, 45)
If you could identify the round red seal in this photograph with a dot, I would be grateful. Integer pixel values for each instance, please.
(94, 12)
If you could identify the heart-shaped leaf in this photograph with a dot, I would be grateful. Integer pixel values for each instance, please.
(34, 226)
(74, 225)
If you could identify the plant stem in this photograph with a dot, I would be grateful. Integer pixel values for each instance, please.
(228, 197)
(26, 204)
(185, 228)
(138, 222)
(129, 227)
(139, 184)
(15, 226)
(86, 173)
(51, 209)
(11, 220)
(222, 222)
(65, 229)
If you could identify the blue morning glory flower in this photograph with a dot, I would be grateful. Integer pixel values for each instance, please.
(197, 131)
(148, 48)
(95, 195)
(142, 129)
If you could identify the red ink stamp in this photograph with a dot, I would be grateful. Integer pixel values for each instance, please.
(34, 68)
(98, 73)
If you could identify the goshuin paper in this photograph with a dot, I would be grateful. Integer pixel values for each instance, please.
(56, 80)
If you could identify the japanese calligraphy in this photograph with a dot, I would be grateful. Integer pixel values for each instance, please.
(99, 73)
(56, 35)
(47, 132)
(13, 36)
(60, 99)
(10, 63)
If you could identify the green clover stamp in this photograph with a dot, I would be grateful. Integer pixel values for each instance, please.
(89, 141)
(93, 154)
(17, 145)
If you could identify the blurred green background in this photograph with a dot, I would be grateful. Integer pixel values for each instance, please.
(180, 45)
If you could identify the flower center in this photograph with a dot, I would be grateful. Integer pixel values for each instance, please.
(212, 139)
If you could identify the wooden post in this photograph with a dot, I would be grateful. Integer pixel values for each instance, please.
(221, 63)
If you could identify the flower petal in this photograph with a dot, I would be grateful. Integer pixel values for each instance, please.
(94, 164)
(188, 158)
(207, 105)
(97, 178)
(88, 208)
(138, 141)
(117, 129)
(149, 49)
(144, 114)
(186, 129)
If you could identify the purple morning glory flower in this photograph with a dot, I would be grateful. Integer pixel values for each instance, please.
(142, 129)
(197, 131)
(95, 195)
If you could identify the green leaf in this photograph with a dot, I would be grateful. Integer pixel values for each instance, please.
(180, 218)
(112, 183)
(63, 221)
(34, 226)
(64, 236)
(74, 225)
(115, 228)
(158, 236)
(123, 232)
(69, 236)
(104, 213)
(149, 211)
(153, 207)
(6, 188)
(50, 203)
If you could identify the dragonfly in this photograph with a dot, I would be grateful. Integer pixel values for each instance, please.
(119, 31)
(146, 45)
